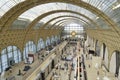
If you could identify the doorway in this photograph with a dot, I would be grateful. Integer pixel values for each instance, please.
(53, 64)
(97, 48)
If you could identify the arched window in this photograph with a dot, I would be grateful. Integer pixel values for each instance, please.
(52, 39)
(117, 62)
(9, 50)
(97, 48)
(40, 44)
(4, 59)
(29, 47)
(48, 41)
(9, 56)
(103, 50)
(17, 54)
(113, 63)
(104, 54)
(119, 74)
(56, 39)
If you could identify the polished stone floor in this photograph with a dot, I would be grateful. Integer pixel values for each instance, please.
(93, 68)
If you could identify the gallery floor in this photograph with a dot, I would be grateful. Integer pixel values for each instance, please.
(90, 67)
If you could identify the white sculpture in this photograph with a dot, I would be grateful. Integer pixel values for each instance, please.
(96, 65)
(105, 78)
(98, 78)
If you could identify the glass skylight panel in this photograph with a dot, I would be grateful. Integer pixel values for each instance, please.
(73, 27)
(6, 5)
(59, 19)
(109, 7)
(87, 13)
(46, 19)
(61, 5)
(102, 24)
(41, 9)
(101, 4)
(72, 21)
(66, 18)
(81, 10)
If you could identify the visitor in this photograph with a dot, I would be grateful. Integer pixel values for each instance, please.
(19, 72)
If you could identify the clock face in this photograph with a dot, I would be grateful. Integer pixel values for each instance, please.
(73, 33)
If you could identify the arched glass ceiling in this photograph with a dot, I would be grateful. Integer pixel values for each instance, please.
(82, 11)
(102, 24)
(6, 5)
(80, 21)
(103, 5)
(109, 7)
(34, 12)
(65, 19)
(68, 21)
(49, 17)
(31, 14)
(46, 19)
(62, 26)
(92, 26)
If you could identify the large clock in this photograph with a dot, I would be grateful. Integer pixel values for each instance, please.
(73, 33)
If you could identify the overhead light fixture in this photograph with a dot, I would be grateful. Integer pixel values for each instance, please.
(97, 17)
(117, 6)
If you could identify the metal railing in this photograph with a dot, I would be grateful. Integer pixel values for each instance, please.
(35, 67)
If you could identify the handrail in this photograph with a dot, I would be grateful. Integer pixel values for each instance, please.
(36, 66)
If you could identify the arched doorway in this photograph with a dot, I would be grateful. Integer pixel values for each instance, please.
(104, 54)
(119, 74)
(53, 64)
(104, 50)
(29, 47)
(97, 48)
(115, 63)
(105, 57)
